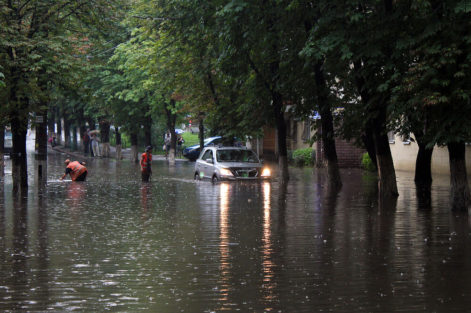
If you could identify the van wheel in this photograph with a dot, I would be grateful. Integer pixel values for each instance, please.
(214, 179)
(197, 176)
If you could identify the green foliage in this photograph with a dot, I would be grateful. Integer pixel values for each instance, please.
(46, 53)
(225, 62)
(303, 157)
(432, 98)
(366, 163)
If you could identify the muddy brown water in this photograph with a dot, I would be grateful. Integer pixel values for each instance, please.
(176, 245)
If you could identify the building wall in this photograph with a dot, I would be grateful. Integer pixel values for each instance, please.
(300, 134)
(348, 154)
(404, 155)
(404, 152)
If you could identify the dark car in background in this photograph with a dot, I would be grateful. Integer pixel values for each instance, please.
(193, 152)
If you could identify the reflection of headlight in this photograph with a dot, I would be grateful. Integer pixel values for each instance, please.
(266, 172)
(225, 172)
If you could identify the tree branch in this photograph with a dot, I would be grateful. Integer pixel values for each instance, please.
(156, 18)
(254, 67)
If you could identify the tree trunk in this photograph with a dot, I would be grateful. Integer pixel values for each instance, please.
(105, 138)
(423, 164)
(171, 121)
(66, 132)
(51, 122)
(423, 175)
(19, 163)
(327, 124)
(81, 129)
(201, 130)
(148, 130)
(134, 156)
(460, 195)
(387, 176)
(2, 151)
(368, 141)
(74, 138)
(59, 127)
(281, 136)
(40, 163)
(118, 144)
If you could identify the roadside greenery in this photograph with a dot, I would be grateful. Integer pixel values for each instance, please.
(366, 163)
(303, 157)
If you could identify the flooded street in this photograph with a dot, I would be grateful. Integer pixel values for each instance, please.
(178, 245)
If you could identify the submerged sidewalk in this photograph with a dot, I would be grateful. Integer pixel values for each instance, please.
(125, 154)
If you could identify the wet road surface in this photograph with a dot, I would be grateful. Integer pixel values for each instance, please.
(178, 245)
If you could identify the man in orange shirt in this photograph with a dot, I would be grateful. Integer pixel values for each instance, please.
(76, 170)
(146, 164)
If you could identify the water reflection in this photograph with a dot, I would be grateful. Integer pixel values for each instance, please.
(424, 196)
(41, 290)
(145, 195)
(76, 194)
(19, 254)
(224, 257)
(268, 264)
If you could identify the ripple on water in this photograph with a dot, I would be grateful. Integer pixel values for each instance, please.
(174, 244)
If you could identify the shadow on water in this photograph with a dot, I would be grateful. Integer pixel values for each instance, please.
(43, 276)
(19, 277)
(424, 196)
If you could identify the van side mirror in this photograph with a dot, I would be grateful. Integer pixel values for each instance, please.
(209, 160)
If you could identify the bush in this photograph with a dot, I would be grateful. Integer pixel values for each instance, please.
(366, 163)
(303, 157)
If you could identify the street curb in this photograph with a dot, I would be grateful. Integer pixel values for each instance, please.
(77, 155)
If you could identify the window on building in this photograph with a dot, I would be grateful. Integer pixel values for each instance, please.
(306, 136)
(406, 139)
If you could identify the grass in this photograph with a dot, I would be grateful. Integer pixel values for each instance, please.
(190, 139)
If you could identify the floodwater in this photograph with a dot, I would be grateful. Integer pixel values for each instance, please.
(177, 245)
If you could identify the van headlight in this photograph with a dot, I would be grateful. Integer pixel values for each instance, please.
(266, 172)
(225, 172)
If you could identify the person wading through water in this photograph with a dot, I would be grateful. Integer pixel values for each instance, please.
(76, 170)
(146, 164)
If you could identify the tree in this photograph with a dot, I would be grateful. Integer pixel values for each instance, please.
(439, 88)
(35, 45)
(259, 46)
(361, 39)
(324, 96)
